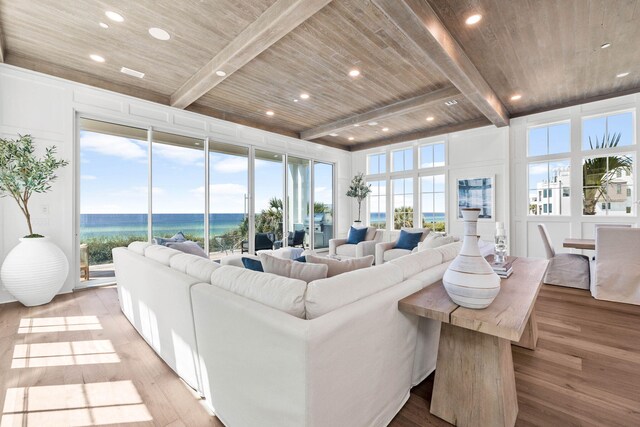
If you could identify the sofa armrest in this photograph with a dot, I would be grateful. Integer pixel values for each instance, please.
(334, 243)
(381, 248)
(368, 247)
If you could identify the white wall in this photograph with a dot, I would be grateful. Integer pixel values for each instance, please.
(46, 107)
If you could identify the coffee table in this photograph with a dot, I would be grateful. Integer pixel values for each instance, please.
(475, 381)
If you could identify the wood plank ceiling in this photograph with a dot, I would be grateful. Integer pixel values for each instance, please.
(547, 51)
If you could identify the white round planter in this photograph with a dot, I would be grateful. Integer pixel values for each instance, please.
(34, 271)
(470, 281)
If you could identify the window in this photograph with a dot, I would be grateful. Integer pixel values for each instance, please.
(378, 204)
(322, 204)
(432, 190)
(269, 207)
(402, 203)
(376, 163)
(544, 177)
(604, 191)
(432, 155)
(615, 130)
(552, 139)
(402, 160)
(298, 201)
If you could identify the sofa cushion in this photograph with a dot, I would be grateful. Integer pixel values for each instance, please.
(236, 259)
(449, 251)
(425, 231)
(159, 253)
(295, 270)
(252, 264)
(326, 295)
(194, 266)
(188, 247)
(431, 275)
(371, 233)
(356, 235)
(341, 266)
(392, 254)
(434, 240)
(415, 263)
(346, 250)
(138, 247)
(408, 240)
(281, 293)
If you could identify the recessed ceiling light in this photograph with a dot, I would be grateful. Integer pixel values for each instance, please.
(354, 73)
(270, 113)
(114, 16)
(516, 97)
(103, 25)
(295, 100)
(372, 123)
(131, 72)
(622, 75)
(350, 138)
(605, 45)
(430, 118)
(159, 34)
(450, 102)
(473, 19)
(96, 58)
(333, 134)
(356, 125)
(385, 129)
(220, 73)
(304, 96)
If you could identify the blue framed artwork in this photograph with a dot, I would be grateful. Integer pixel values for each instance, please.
(477, 193)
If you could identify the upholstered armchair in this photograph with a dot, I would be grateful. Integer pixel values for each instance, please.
(616, 269)
(387, 251)
(568, 270)
(341, 248)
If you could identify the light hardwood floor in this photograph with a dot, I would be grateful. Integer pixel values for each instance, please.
(78, 358)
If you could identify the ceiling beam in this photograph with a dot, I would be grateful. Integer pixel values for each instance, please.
(276, 22)
(396, 109)
(427, 133)
(417, 20)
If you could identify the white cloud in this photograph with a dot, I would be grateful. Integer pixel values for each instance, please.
(88, 177)
(115, 146)
(233, 165)
(538, 168)
(182, 155)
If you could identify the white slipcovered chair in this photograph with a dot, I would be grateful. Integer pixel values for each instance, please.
(387, 251)
(616, 269)
(569, 270)
(341, 248)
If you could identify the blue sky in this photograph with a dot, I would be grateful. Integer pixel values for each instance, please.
(114, 178)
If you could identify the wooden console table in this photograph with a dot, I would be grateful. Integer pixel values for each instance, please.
(475, 381)
(589, 244)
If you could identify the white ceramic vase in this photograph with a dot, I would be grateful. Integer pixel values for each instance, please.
(470, 281)
(34, 271)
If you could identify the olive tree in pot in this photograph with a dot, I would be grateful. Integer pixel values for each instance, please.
(359, 190)
(35, 270)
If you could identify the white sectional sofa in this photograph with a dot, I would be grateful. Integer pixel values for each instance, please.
(273, 351)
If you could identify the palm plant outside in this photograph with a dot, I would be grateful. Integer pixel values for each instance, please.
(599, 172)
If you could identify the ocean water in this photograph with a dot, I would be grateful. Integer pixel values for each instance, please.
(429, 217)
(126, 225)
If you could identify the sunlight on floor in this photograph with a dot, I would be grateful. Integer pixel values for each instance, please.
(63, 354)
(75, 404)
(58, 324)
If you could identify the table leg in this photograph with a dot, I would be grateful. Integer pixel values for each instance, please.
(529, 337)
(475, 382)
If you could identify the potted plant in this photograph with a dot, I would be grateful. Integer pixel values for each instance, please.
(359, 190)
(35, 270)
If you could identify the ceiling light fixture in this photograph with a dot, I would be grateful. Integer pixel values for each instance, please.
(220, 73)
(372, 123)
(114, 16)
(473, 19)
(354, 73)
(96, 58)
(304, 96)
(450, 102)
(622, 75)
(159, 34)
(333, 134)
(351, 138)
(295, 100)
(103, 25)
(270, 113)
(356, 125)
(430, 118)
(605, 45)
(131, 72)
(516, 97)
(385, 129)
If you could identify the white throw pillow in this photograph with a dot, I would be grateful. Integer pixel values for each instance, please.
(341, 266)
(293, 269)
(434, 240)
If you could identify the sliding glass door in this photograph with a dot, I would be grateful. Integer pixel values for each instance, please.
(322, 204)
(298, 202)
(269, 195)
(228, 198)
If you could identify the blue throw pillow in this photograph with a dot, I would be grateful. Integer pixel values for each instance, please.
(301, 259)
(252, 264)
(356, 235)
(408, 240)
